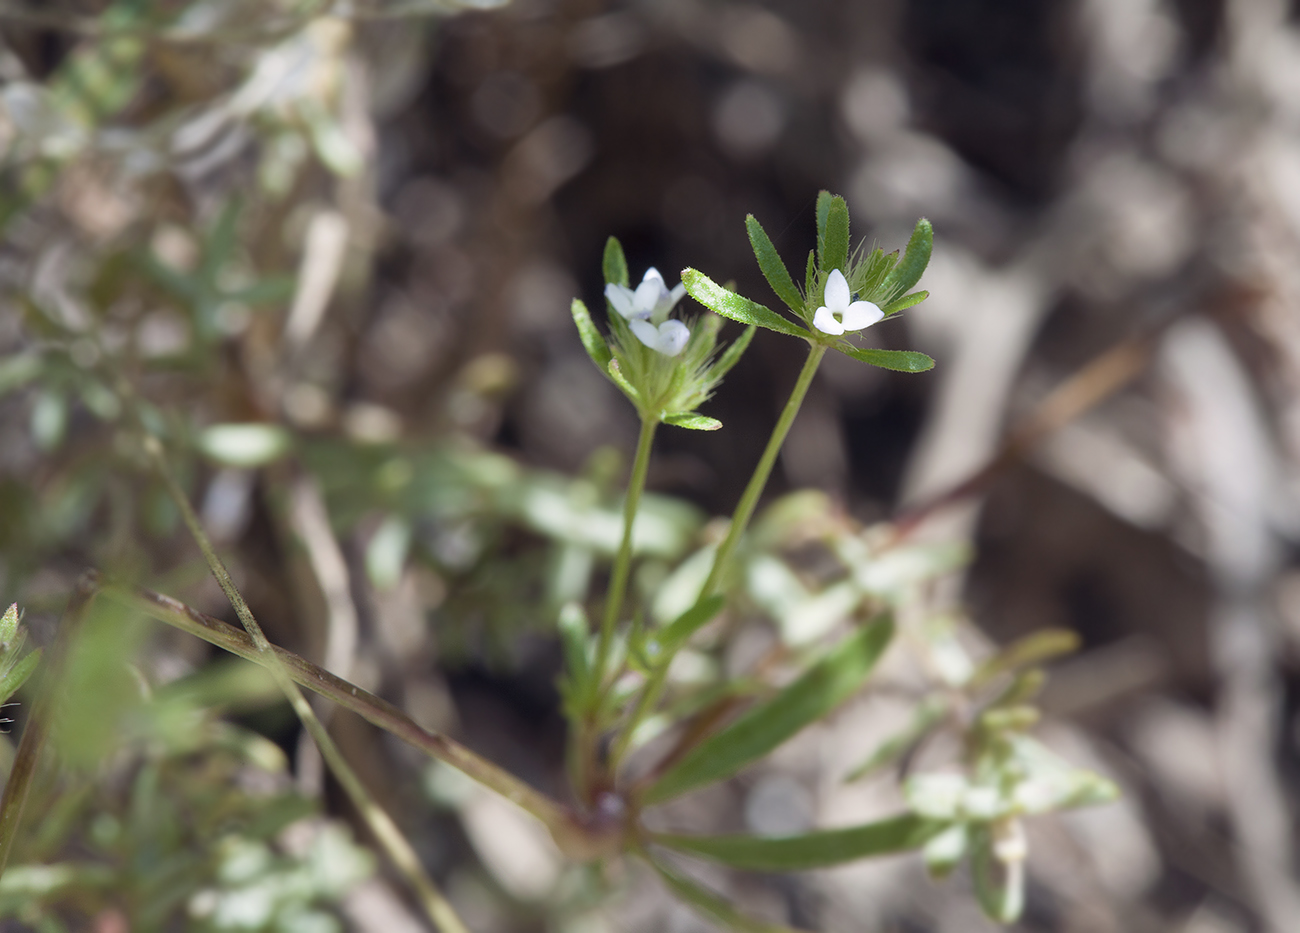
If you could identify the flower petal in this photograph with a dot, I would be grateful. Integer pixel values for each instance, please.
(647, 294)
(837, 291)
(861, 314)
(825, 321)
(620, 298)
(646, 332)
(675, 295)
(652, 274)
(672, 337)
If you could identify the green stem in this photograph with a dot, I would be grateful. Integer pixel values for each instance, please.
(386, 833)
(623, 561)
(749, 499)
(654, 686)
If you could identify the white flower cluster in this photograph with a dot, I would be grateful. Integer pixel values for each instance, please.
(646, 310)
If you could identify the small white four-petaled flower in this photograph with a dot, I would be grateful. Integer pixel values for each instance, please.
(646, 307)
(838, 315)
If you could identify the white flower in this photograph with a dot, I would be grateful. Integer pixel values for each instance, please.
(837, 315)
(651, 300)
(669, 338)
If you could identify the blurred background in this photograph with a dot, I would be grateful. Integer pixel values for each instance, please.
(361, 233)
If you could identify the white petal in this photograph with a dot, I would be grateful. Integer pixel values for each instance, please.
(861, 314)
(646, 332)
(620, 298)
(672, 337)
(824, 320)
(652, 274)
(676, 295)
(837, 291)
(647, 294)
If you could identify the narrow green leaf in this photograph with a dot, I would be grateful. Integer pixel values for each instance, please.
(823, 212)
(774, 270)
(907, 301)
(730, 305)
(692, 420)
(900, 361)
(835, 254)
(620, 380)
(820, 689)
(810, 273)
(714, 906)
(575, 633)
(999, 886)
(673, 635)
(615, 263)
(915, 258)
(13, 680)
(731, 356)
(591, 338)
(810, 850)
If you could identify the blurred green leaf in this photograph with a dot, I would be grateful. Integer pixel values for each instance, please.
(9, 626)
(928, 714)
(18, 370)
(11, 681)
(730, 305)
(810, 850)
(819, 690)
(614, 263)
(824, 199)
(692, 420)
(616, 374)
(592, 339)
(678, 632)
(999, 886)
(944, 851)
(1034, 648)
(901, 361)
(774, 270)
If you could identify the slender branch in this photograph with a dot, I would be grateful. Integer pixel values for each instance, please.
(654, 686)
(757, 482)
(38, 722)
(399, 851)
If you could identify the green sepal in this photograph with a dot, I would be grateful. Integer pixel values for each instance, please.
(714, 906)
(819, 690)
(774, 270)
(907, 301)
(900, 361)
(620, 380)
(835, 244)
(915, 258)
(730, 305)
(675, 634)
(818, 849)
(692, 420)
(731, 356)
(18, 674)
(614, 263)
(592, 339)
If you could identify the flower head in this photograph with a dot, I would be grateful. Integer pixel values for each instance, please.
(838, 315)
(649, 301)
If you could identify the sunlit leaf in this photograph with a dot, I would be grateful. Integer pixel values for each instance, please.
(16, 676)
(819, 690)
(915, 258)
(730, 305)
(245, 445)
(905, 302)
(835, 249)
(692, 420)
